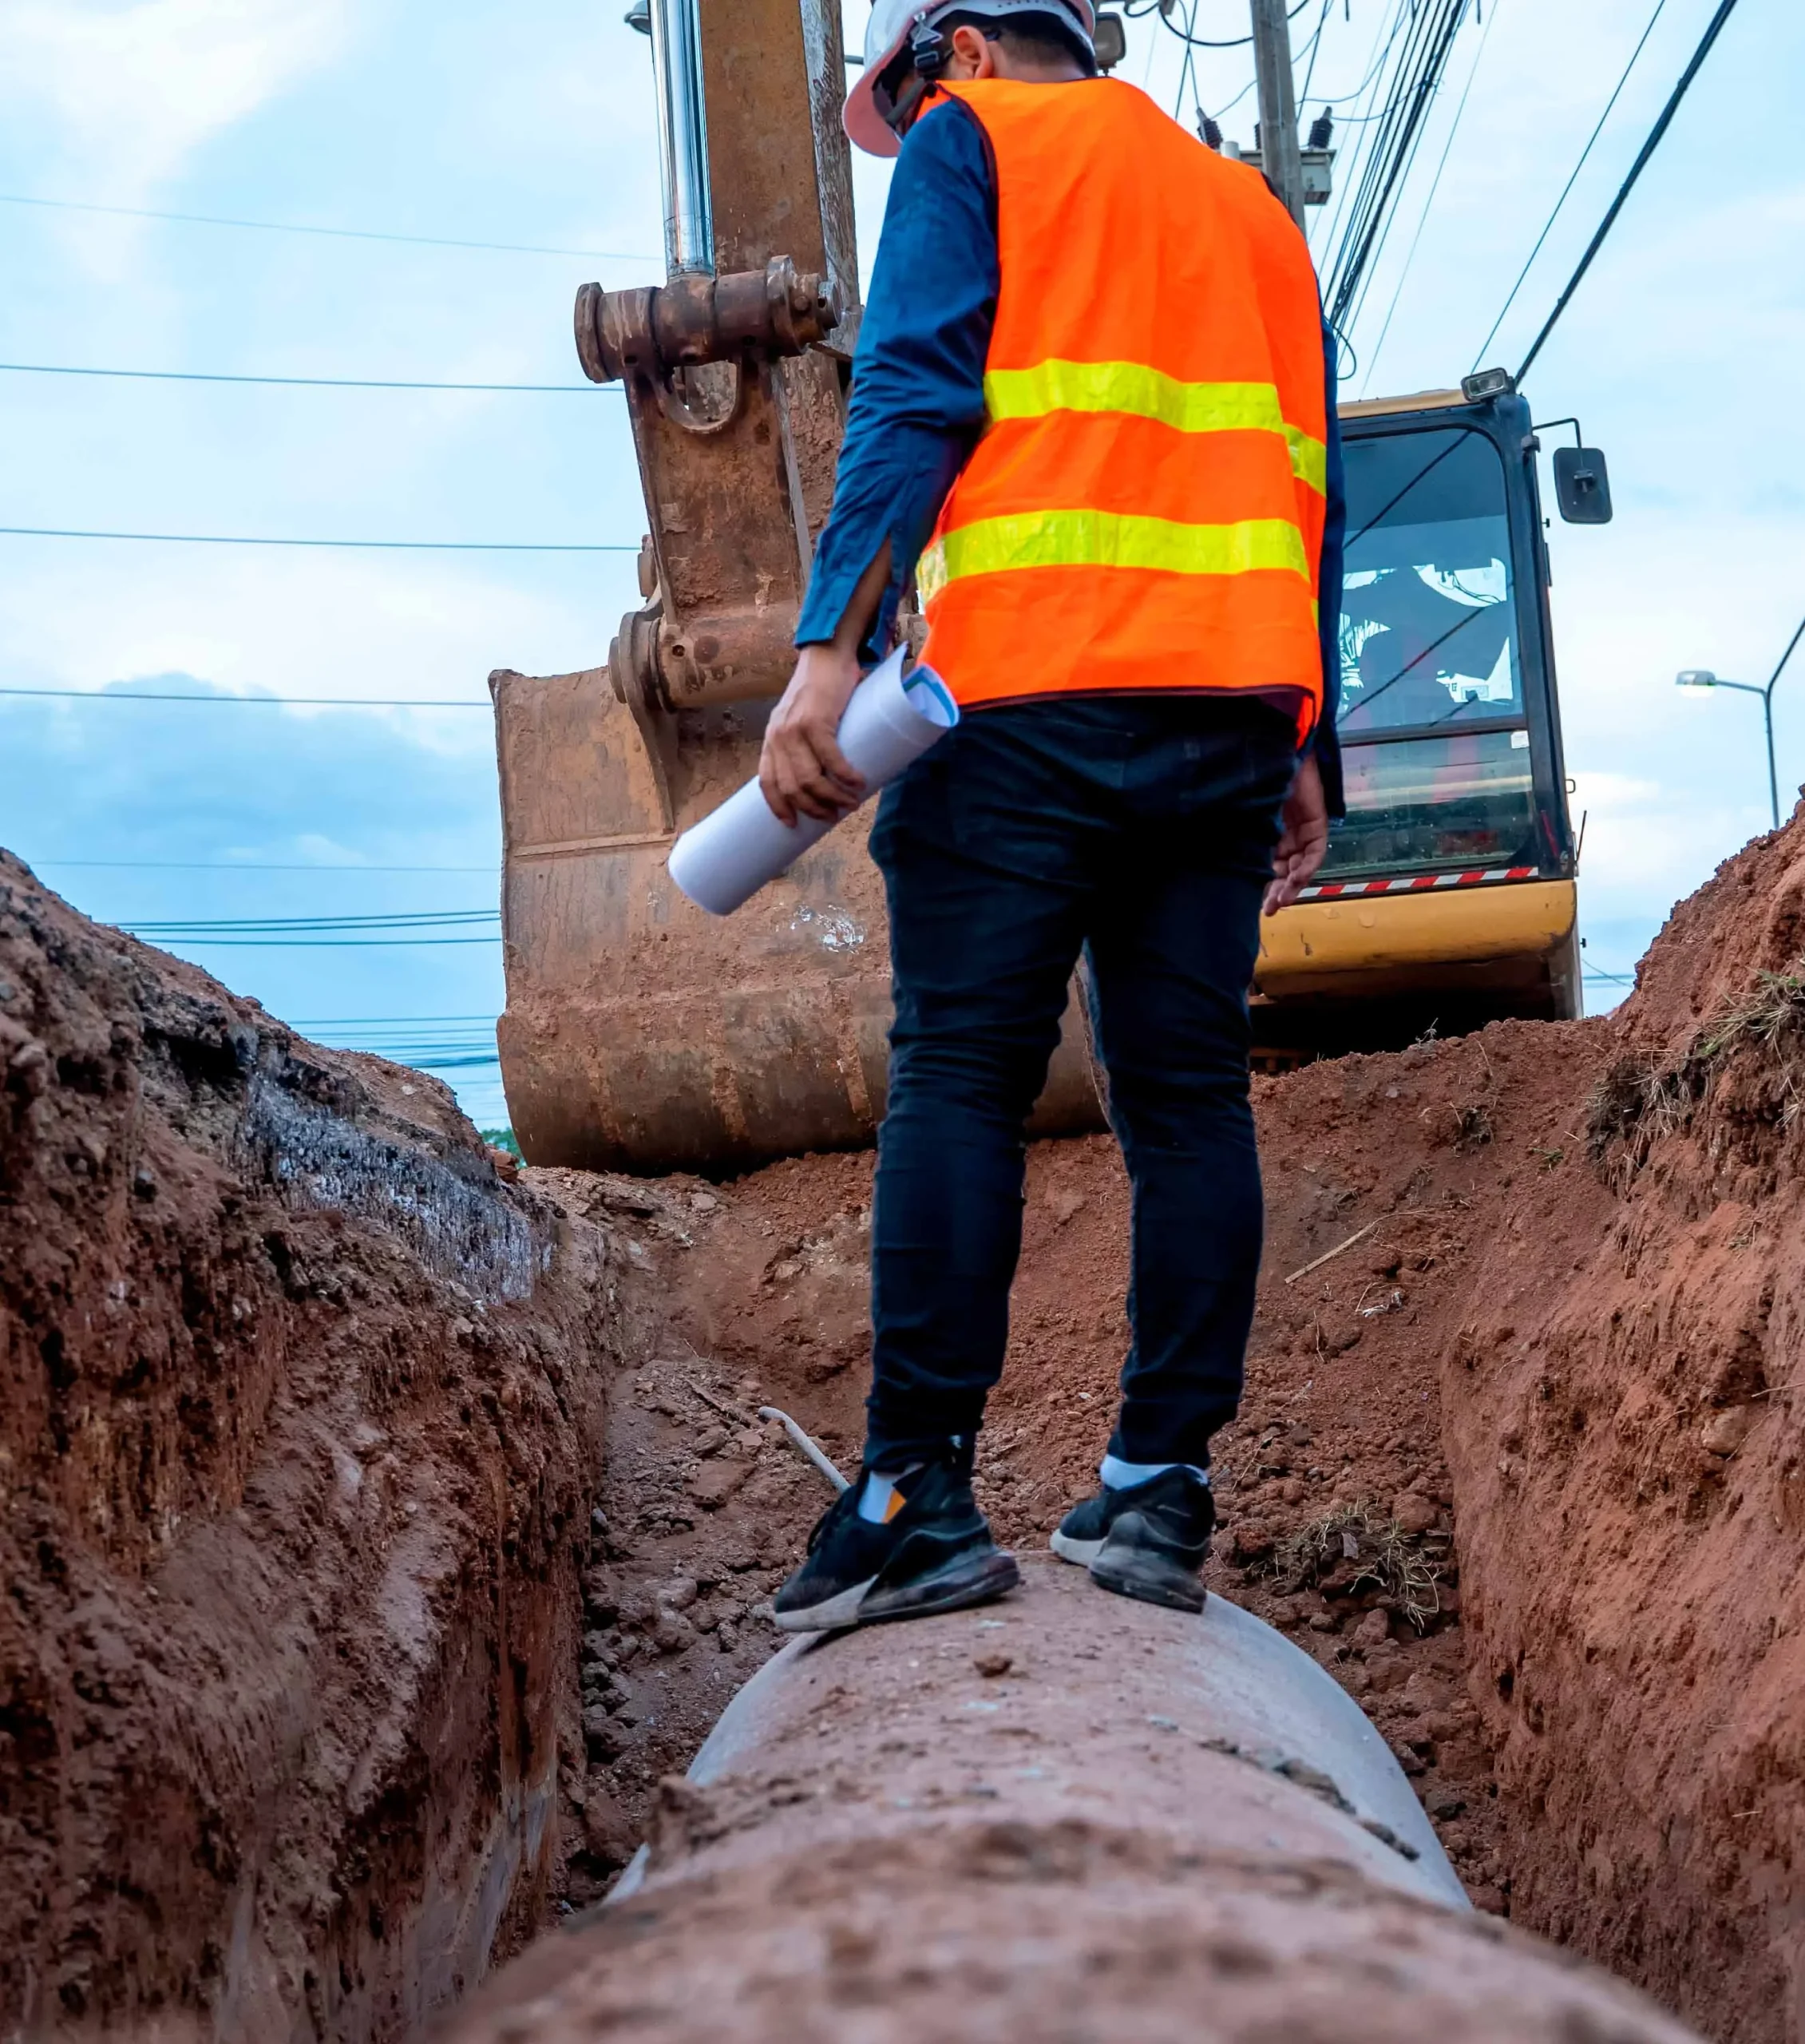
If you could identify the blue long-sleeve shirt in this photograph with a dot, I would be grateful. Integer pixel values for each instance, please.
(917, 404)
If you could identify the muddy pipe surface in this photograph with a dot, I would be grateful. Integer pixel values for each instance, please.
(1062, 1817)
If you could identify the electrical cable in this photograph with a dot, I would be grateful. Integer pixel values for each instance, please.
(1370, 268)
(1372, 96)
(1384, 38)
(1310, 68)
(1204, 42)
(1229, 106)
(1725, 8)
(1354, 91)
(1187, 70)
(1434, 186)
(1547, 225)
(1407, 141)
(234, 866)
(314, 943)
(1415, 82)
(298, 382)
(265, 926)
(332, 233)
(397, 546)
(307, 701)
(313, 933)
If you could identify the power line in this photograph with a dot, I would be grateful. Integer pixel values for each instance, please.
(1725, 8)
(332, 233)
(309, 702)
(277, 926)
(382, 1021)
(1434, 186)
(1315, 48)
(314, 943)
(1326, 232)
(1414, 81)
(1547, 225)
(236, 865)
(298, 382)
(1354, 91)
(1187, 71)
(1204, 42)
(396, 546)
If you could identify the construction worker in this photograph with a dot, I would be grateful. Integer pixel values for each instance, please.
(1092, 414)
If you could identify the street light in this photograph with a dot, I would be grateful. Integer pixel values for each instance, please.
(1700, 677)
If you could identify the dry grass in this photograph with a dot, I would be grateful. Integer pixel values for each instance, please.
(1773, 1012)
(1387, 1559)
(1638, 1103)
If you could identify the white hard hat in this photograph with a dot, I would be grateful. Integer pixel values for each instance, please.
(893, 21)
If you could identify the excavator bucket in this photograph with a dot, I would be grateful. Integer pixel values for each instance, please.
(639, 1033)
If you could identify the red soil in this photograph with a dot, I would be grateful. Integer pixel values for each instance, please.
(1621, 1411)
(300, 1407)
(1578, 1369)
(298, 1545)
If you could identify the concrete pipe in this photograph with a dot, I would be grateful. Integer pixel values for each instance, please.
(1064, 1817)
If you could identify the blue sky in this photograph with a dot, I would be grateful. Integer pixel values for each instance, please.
(534, 124)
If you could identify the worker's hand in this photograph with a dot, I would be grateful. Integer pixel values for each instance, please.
(801, 768)
(1304, 842)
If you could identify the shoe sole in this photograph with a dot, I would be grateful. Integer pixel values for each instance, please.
(1128, 1568)
(961, 1583)
(1081, 1554)
(832, 1614)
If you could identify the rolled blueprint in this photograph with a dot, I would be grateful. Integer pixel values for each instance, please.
(890, 721)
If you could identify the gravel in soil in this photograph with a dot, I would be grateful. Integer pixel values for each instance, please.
(1335, 1498)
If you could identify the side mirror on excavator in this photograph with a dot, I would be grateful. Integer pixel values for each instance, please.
(1582, 483)
(1582, 486)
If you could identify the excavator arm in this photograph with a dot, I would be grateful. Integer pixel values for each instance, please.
(640, 1033)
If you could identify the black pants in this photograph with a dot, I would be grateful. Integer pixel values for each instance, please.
(1142, 826)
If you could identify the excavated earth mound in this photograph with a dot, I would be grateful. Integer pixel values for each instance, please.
(1621, 1411)
(301, 1406)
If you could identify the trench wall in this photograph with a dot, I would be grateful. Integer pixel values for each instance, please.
(301, 1411)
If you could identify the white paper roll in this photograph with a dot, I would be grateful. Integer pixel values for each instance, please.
(890, 721)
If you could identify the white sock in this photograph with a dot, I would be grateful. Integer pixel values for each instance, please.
(881, 1498)
(1120, 1476)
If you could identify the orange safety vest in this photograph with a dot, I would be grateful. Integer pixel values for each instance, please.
(1145, 507)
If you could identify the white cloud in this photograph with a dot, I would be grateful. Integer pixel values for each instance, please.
(133, 91)
(1643, 850)
(308, 624)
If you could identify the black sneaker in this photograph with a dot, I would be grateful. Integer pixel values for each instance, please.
(935, 1553)
(1148, 1541)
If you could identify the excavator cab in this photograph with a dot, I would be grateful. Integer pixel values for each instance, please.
(1448, 897)
(640, 1033)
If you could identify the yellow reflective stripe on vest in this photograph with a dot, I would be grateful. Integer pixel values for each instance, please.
(1132, 387)
(1108, 539)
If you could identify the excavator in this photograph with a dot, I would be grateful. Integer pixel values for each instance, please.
(641, 1034)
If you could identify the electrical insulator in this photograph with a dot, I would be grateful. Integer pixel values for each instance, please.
(1211, 130)
(1322, 130)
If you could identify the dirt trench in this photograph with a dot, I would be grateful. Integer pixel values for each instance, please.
(380, 1530)
(1518, 1461)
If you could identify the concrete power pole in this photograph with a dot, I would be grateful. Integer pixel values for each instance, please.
(1278, 107)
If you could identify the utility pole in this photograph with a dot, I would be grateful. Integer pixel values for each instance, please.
(1279, 155)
